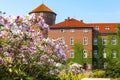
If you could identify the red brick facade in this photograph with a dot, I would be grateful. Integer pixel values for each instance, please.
(92, 30)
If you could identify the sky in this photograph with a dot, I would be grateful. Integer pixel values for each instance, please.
(90, 11)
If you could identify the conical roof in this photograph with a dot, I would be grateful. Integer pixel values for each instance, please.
(41, 8)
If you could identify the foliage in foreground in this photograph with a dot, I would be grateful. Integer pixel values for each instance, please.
(27, 54)
(71, 76)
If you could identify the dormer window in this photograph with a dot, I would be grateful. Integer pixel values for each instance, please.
(107, 28)
(62, 30)
(97, 28)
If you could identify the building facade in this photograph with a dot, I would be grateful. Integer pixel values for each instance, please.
(99, 40)
(72, 30)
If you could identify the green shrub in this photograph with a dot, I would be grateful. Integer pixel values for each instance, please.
(71, 76)
(98, 74)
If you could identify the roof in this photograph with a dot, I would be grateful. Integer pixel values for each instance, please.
(70, 23)
(105, 27)
(73, 23)
(41, 8)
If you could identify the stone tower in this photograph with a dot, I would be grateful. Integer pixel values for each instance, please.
(48, 15)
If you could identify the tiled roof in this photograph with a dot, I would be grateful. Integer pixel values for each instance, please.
(68, 23)
(105, 27)
(41, 8)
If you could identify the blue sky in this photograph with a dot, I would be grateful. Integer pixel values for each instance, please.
(90, 11)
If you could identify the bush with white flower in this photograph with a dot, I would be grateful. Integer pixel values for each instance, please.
(26, 53)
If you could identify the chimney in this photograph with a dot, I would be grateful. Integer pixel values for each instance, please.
(68, 18)
(81, 20)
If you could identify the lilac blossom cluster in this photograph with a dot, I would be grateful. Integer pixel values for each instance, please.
(20, 44)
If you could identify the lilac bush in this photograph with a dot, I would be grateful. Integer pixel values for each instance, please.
(26, 52)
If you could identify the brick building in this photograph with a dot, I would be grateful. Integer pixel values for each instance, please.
(71, 30)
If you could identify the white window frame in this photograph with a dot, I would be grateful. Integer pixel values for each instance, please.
(113, 54)
(62, 30)
(71, 53)
(71, 41)
(85, 41)
(97, 28)
(113, 41)
(104, 65)
(95, 41)
(104, 54)
(104, 41)
(107, 28)
(62, 40)
(72, 30)
(95, 52)
(85, 54)
(85, 30)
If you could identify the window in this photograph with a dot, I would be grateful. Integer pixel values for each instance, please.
(95, 53)
(62, 40)
(62, 30)
(113, 54)
(85, 30)
(104, 65)
(41, 14)
(84, 54)
(104, 41)
(72, 54)
(97, 28)
(107, 28)
(113, 41)
(71, 41)
(95, 41)
(85, 41)
(104, 54)
(72, 30)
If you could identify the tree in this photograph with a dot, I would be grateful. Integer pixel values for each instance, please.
(100, 59)
(26, 54)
